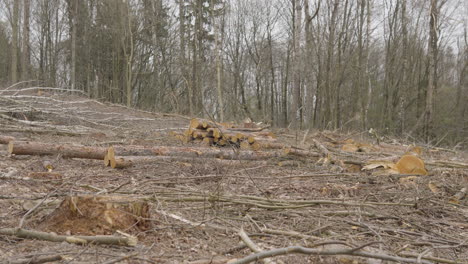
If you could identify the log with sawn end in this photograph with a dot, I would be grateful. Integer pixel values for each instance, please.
(198, 152)
(121, 162)
(5, 140)
(67, 151)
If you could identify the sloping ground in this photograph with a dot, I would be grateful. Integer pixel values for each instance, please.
(198, 208)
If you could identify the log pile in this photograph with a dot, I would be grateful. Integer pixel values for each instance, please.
(247, 136)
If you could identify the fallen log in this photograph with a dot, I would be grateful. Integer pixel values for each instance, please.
(300, 153)
(129, 161)
(198, 152)
(79, 240)
(5, 140)
(35, 259)
(67, 151)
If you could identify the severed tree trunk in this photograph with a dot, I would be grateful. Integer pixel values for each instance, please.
(130, 161)
(35, 148)
(5, 140)
(190, 153)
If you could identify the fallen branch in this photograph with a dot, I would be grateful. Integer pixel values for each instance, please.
(121, 259)
(79, 240)
(319, 252)
(246, 239)
(36, 260)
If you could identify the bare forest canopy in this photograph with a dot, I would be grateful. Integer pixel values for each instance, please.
(396, 66)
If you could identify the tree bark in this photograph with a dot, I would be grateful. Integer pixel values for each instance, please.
(189, 152)
(296, 117)
(5, 140)
(26, 50)
(14, 42)
(34, 148)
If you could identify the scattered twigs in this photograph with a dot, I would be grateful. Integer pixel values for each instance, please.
(79, 240)
(20, 225)
(447, 164)
(430, 258)
(289, 233)
(35, 260)
(120, 259)
(331, 252)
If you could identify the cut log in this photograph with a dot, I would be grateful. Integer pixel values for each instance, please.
(200, 134)
(5, 140)
(98, 215)
(130, 161)
(67, 151)
(208, 141)
(245, 145)
(300, 153)
(197, 123)
(199, 152)
(262, 144)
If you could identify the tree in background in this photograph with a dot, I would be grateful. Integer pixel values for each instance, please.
(396, 66)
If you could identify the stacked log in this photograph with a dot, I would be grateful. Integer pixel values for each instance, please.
(248, 136)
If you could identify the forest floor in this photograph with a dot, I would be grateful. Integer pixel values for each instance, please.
(197, 209)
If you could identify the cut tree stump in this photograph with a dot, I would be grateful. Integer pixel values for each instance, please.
(67, 151)
(98, 215)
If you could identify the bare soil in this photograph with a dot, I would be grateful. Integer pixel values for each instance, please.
(196, 209)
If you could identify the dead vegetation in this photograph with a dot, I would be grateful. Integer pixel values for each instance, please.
(315, 197)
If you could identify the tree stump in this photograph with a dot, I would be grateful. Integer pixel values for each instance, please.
(98, 215)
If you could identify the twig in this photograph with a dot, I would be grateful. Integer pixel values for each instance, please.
(320, 252)
(120, 259)
(439, 260)
(20, 225)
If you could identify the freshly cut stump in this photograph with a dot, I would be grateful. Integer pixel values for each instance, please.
(98, 215)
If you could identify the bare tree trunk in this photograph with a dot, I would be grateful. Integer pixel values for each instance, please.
(296, 103)
(14, 42)
(404, 69)
(26, 50)
(219, 89)
(73, 18)
(368, 81)
(182, 58)
(284, 91)
(432, 77)
(329, 86)
(128, 54)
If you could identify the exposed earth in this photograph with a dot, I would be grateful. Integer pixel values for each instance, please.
(197, 209)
